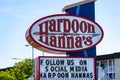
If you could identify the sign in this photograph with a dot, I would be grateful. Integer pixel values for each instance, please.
(64, 33)
(65, 68)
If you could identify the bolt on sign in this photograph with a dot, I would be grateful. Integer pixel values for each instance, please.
(64, 68)
(64, 33)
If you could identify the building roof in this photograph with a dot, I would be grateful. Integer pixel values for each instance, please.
(108, 56)
(76, 4)
(4, 69)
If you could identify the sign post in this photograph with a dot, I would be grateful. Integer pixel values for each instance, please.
(85, 8)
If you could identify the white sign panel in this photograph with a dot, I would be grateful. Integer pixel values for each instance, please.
(67, 68)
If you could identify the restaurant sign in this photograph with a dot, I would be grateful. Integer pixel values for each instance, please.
(64, 33)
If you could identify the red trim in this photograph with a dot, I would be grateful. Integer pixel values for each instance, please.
(95, 68)
(64, 50)
(37, 68)
(65, 57)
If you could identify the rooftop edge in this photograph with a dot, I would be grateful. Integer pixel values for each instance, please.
(76, 4)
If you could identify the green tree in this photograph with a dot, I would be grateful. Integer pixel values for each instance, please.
(20, 71)
(23, 70)
(5, 75)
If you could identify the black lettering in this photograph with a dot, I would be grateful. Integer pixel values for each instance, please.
(54, 62)
(47, 62)
(54, 74)
(52, 69)
(43, 75)
(70, 62)
(46, 68)
(82, 75)
(71, 68)
(63, 75)
(83, 62)
(91, 75)
(41, 62)
(49, 75)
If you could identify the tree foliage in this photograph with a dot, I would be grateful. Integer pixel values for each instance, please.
(20, 71)
(5, 75)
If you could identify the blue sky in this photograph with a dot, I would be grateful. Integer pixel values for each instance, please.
(17, 15)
